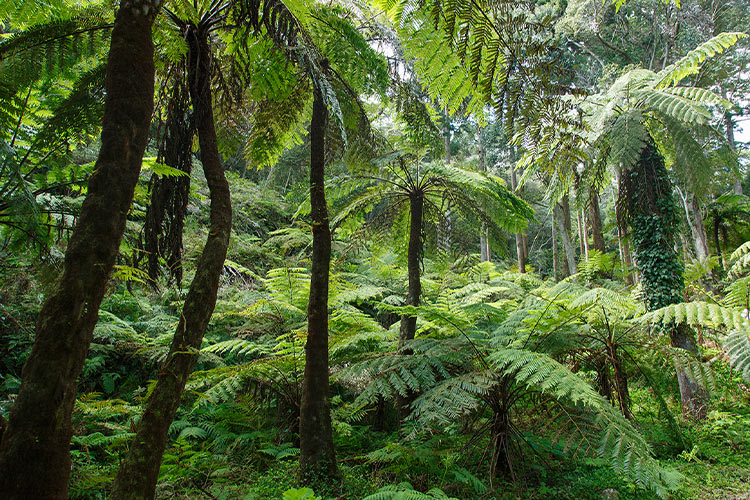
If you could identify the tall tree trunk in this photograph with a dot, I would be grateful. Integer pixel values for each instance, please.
(521, 247)
(595, 219)
(700, 238)
(555, 255)
(717, 242)
(139, 472)
(567, 244)
(581, 233)
(625, 259)
(34, 454)
(485, 253)
(416, 209)
(654, 222)
(317, 455)
(565, 207)
(585, 234)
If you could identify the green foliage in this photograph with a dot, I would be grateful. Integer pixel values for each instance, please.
(405, 491)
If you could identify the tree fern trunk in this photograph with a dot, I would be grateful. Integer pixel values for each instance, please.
(165, 215)
(139, 472)
(621, 382)
(34, 454)
(409, 323)
(317, 455)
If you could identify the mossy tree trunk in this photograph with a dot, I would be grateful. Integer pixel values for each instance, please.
(139, 472)
(317, 454)
(34, 454)
(652, 214)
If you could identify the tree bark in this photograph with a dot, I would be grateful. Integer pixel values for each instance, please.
(409, 323)
(595, 219)
(564, 237)
(585, 234)
(555, 258)
(692, 395)
(485, 252)
(699, 236)
(625, 258)
(521, 250)
(34, 454)
(165, 215)
(565, 207)
(581, 233)
(621, 382)
(317, 454)
(139, 472)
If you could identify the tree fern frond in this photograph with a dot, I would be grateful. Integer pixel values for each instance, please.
(691, 63)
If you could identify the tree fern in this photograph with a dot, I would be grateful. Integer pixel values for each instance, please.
(691, 63)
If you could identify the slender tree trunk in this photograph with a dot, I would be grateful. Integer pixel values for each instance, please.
(317, 455)
(585, 234)
(625, 259)
(581, 233)
(699, 226)
(34, 454)
(139, 472)
(521, 248)
(409, 323)
(717, 242)
(485, 253)
(595, 219)
(555, 255)
(565, 207)
(567, 244)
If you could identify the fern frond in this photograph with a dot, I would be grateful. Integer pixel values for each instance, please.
(691, 63)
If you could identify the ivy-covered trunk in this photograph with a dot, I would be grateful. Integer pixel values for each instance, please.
(317, 455)
(651, 211)
(34, 454)
(416, 212)
(139, 472)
